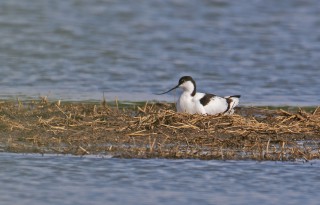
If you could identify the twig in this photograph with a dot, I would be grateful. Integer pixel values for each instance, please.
(85, 151)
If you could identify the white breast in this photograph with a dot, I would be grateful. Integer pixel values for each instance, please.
(189, 104)
(185, 103)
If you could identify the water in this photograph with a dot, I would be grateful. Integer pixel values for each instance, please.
(49, 179)
(267, 51)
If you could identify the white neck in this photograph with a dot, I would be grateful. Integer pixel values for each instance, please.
(187, 87)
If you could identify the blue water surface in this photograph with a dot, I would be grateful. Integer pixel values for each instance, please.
(52, 179)
(267, 51)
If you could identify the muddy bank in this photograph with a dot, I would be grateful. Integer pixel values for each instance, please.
(156, 130)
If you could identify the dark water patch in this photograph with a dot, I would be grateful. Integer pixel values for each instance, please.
(40, 179)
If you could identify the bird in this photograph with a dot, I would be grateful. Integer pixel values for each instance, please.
(193, 102)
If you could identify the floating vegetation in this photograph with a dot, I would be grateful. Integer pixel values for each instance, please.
(155, 130)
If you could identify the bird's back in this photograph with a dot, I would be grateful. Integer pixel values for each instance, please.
(216, 105)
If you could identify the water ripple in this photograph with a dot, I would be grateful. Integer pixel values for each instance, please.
(266, 51)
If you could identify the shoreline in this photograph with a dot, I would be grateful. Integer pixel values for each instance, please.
(132, 97)
(155, 130)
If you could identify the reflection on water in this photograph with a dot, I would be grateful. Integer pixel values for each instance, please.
(50, 179)
(267, 51)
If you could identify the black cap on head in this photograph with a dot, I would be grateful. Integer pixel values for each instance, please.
(181, 81)
(188, 78)
(185, 79)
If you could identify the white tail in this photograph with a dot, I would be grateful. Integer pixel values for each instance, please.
(232, 101)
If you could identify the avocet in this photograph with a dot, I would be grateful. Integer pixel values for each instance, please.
(202, 103)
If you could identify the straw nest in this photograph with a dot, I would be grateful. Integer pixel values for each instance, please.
(156, 130)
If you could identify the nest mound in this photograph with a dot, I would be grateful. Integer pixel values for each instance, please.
(156, 131)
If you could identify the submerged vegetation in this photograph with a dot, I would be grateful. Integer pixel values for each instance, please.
(155, 130)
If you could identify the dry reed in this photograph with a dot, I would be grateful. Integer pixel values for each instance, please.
(156, 130)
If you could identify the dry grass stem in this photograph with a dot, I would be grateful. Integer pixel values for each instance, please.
(156, 130)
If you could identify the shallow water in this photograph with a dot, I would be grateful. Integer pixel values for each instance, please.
(50, 179)
(267, 51)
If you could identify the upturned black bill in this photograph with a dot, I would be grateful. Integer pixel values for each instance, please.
(168, 90)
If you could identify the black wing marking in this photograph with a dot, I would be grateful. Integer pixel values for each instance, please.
(206, 99)
(230, 102)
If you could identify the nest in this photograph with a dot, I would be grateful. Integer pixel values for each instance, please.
(155, 130)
